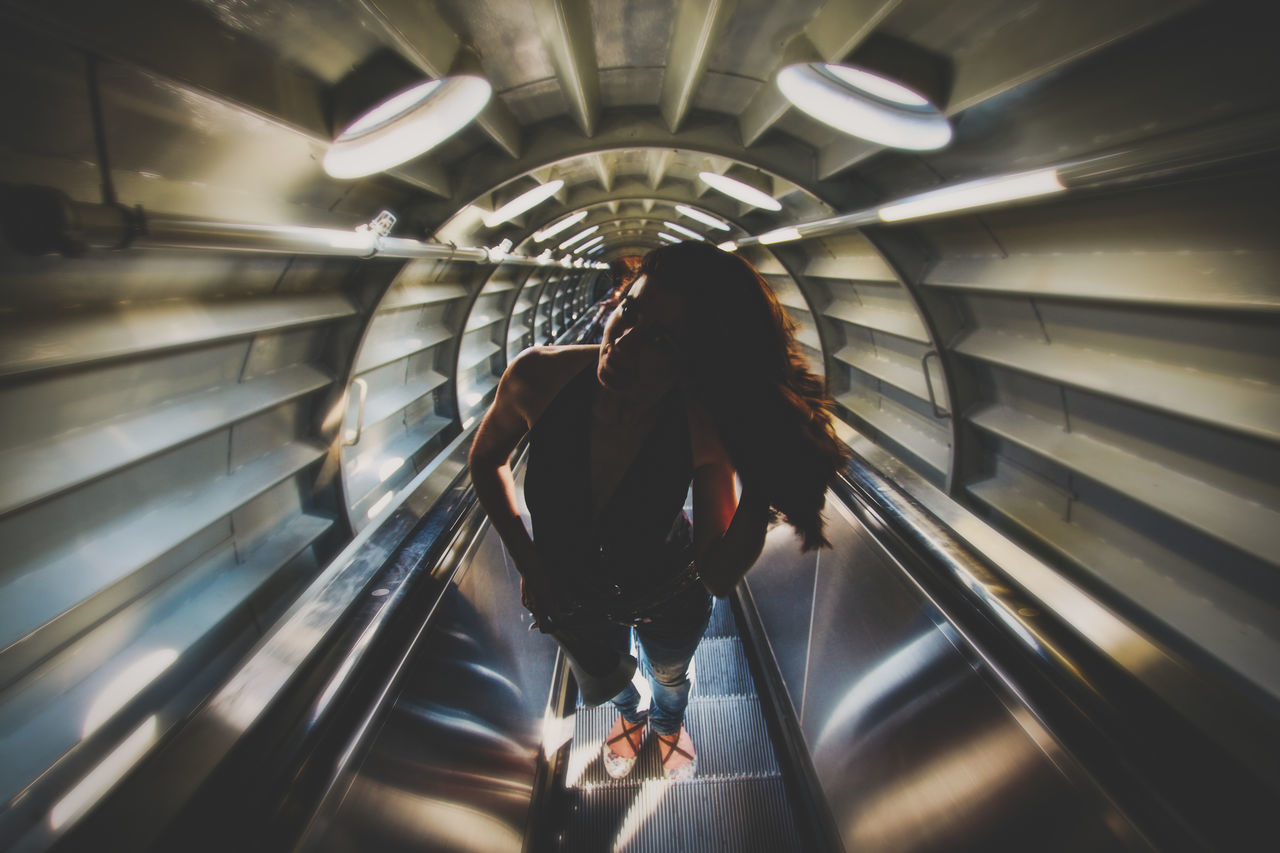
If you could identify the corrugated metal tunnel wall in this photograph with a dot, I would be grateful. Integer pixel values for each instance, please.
(188, 436)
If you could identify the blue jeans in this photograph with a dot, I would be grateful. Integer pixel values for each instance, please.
(666, 647)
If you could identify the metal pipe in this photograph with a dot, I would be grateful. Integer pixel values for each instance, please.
(1174, 153)
(39, 220)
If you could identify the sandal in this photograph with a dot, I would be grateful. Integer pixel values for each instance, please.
(679, 759)
(616, 765)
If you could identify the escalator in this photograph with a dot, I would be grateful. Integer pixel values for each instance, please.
(458, 738)
(737, 801)
(856, 698)
(917, 742)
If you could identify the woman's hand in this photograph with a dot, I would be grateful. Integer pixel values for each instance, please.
(537, 596)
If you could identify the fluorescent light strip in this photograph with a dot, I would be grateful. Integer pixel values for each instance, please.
(547, 233)
(587, 245)
(586, 232)
(522, 203)
(680, 229)
(973, 194)
(984, 192)
(705, 218)
(663, 235)
(780, 235)
(742, 192)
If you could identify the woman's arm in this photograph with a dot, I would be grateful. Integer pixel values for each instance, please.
(724, 558)
(499, 432)
(728, 532)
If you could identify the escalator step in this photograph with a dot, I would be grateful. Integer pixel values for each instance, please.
(737, 800)
(729, 733)
(704, 814)
(722, 622)
(720, 669)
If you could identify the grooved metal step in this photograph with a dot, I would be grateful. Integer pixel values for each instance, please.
(737, 800)
(663, 817)
(722, 624)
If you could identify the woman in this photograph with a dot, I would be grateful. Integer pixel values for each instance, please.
(698, 377)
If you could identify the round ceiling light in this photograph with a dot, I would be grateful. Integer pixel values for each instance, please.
(406, 125)
(523, 203)
(585, 232)
(680, 229)
(864, 104)
(705, 218)
(744, 193)
(547, 233)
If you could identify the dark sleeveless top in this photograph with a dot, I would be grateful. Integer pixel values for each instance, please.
(641, 536)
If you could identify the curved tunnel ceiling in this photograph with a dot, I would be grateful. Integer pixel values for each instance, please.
(1085, 385)
(637, 187)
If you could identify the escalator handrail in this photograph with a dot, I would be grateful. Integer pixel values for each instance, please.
(285, 691)
(1126, 707)
(278, 697)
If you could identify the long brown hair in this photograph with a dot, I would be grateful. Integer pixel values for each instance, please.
(772, 412)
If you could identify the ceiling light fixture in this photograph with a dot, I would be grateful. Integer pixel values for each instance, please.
(586, 232)
(979, 193)
(663, 235)
(864, 104)
(599, 238)
(780, 235)
(727, 246)
(742, 192)
(522, 203)
(705, 218)
(680, 229)
(406, 125)
(548, 233)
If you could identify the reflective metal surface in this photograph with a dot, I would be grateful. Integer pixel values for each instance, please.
(915, 744)
(452, 766)
(1082, 388)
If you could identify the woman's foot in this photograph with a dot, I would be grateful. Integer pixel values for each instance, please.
(622, 745)
(679, 760)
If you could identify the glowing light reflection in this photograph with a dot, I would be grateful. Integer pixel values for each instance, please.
(780, 235)
(705, 218)
(126, 685)
(105, 774)
(389, 467)
(971, 194)
(548, 233)
(742, 192)
(680, 229)
(523, 202)
(379, 506)
(586, 232)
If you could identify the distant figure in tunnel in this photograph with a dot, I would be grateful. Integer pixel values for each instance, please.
(698, 377)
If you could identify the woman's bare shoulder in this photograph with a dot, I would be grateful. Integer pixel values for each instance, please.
(537, 374)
